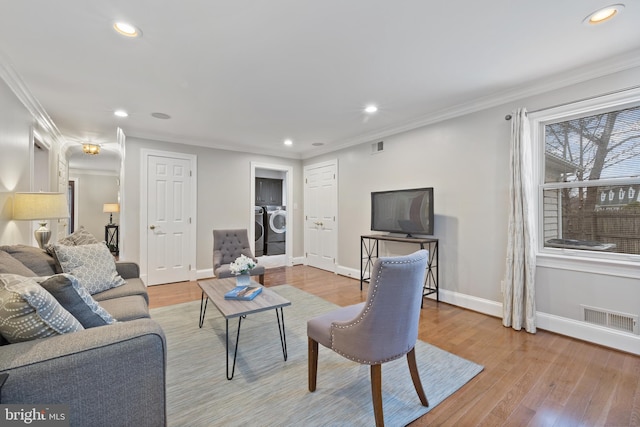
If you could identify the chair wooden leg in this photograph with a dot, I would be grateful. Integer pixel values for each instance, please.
(415, 376)
(376, 394)
(313, 364)
(261, 279)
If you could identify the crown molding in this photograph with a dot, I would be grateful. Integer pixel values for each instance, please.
(9, 75)
(557, 81)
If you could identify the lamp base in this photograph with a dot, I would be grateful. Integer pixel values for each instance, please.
(42, 235)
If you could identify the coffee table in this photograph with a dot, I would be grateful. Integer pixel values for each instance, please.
(214, 290)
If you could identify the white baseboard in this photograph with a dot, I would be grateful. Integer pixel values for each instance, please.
(298, 260)
(206, 273)
(481, 305)
(607, 337)
(348, 272)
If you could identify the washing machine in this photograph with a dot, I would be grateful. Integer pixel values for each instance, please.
(259, 231)
(275, 227)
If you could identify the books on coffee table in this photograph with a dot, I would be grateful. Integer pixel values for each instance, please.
(243, 293)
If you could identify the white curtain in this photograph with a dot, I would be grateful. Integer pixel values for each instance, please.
(519, 307)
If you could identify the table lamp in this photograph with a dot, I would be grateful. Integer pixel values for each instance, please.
(40, 207)
(111, 208)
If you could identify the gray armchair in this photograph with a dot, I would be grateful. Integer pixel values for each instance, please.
(381, 329)
(229, 245)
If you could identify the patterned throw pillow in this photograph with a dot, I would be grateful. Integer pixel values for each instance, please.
(93, 266)
(79, 237)
(28, 312)
(75, 299)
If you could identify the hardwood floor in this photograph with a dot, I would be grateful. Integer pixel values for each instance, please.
(528, 380)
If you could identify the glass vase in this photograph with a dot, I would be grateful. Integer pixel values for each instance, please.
(243, 279)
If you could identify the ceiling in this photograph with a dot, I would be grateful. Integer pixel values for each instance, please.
(246, 74)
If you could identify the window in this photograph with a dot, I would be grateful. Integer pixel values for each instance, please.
(589, 198)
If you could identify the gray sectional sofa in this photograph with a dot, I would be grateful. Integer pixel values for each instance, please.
(112, 375)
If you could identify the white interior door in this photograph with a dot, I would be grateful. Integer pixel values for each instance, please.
(320, 213)
(168, 231)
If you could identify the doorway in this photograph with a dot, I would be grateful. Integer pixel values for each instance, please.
(168, 195)
(271, 214)
(321, 215)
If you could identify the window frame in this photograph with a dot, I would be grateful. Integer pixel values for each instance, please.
(614, 264)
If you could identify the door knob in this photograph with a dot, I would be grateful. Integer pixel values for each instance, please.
(152, 227)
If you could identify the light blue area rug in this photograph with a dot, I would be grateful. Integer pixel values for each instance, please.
(267, 391)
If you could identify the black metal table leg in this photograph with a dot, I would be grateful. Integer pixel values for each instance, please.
(235, 352)
(203, 311)
(366, 263)
(283, 336)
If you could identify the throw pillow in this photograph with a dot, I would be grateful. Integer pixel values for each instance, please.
(76, 300)
(34, 258)
(82, 237)
(93, 266)
(10, 265)
(79, 237)
(28, 311)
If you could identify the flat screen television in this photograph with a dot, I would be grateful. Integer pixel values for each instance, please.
(403, 211)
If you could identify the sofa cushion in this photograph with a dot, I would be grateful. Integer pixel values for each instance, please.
(10, 265)
(76, 300)
(28, 311)
(93, 266)
(35, 259)
(131, 287)
(127, 308)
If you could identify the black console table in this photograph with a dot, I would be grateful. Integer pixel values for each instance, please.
(112, 237)
(369, 251)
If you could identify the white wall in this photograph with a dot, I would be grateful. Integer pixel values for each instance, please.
(466, 160)
(224, 194)
(93, 191)
(15, 125)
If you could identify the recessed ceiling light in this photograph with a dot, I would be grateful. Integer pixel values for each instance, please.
(288, 142)
(162, 116)
(127, 29)
(604, 14)
(317, 144)
(121, 113)
(370, 109)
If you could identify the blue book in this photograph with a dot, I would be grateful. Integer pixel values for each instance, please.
(243, 293)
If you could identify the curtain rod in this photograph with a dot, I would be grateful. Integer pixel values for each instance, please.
(508, 116)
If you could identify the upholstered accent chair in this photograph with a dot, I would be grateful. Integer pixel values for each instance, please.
(229, 245)
(381, 329)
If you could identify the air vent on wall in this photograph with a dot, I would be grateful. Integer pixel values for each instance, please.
(611, 319)
(377, 147)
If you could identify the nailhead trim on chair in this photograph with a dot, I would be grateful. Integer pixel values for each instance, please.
(365, 312)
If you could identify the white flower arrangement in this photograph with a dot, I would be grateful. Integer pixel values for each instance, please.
(241, 265)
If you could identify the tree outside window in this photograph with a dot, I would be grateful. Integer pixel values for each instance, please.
(591, 190)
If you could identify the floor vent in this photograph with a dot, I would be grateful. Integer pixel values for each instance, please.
(611, 319)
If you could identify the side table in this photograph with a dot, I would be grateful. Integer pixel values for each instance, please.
(112, 237)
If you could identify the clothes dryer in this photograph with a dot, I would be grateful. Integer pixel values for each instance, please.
(259, 231)
(275, 225)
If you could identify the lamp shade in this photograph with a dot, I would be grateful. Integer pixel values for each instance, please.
(40, 206)
(111, 207)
